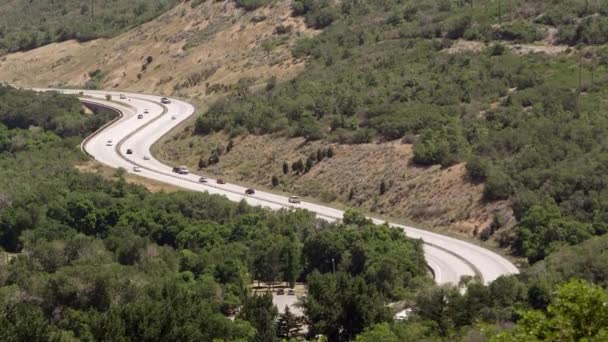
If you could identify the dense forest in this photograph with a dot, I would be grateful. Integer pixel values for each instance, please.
(28, 24)
(531, 126)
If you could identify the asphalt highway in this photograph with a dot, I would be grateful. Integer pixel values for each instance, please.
(449, 258)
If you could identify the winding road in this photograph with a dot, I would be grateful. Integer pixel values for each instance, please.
(449, 258)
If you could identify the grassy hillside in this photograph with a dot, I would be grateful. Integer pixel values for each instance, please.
(194, 50)
(26, 24)
(517, 92)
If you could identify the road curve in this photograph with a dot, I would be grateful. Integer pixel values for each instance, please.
(449, 258)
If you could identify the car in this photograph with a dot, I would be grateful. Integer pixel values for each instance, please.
(136, 169)
(221, 181)
(165, 100)
(202, 180)
(294, 199)
(182, 170)
(140, 116)
(146, 111)
(123, 96)
(291, 292)
(173, 117)
(129, 151)
(249, 191)
(281, 292)
(109, 143)
(146, 158)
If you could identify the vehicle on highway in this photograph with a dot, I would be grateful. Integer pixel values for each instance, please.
(221, 181)
(449, 267)
(294, 199)
(129, 151)
(123, 96)
(146, 111)
(182, 170)
(146, 157)
(140, 116)
(249, 191)
(109, 143)
(173, 117)
(136, 169)
(202, 180)
(165, 100)
(281, 292)
(291, 292)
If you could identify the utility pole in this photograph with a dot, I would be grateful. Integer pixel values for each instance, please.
(580, 78)
(499, 13)
(333, 265)
(580, 72)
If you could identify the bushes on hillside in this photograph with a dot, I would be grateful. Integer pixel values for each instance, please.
(30, 24)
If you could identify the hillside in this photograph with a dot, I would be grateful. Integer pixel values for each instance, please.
(192, 50)
(437, 197)
(459, 114)
(446, 104)
(26, 24)
(516, 94)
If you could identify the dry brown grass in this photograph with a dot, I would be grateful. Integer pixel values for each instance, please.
(432, 196)
(236, 51)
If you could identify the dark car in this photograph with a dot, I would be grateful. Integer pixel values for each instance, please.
(182, 170)
(291, 292)
(221, 181)
(129, 151)
(281, 292)
(250, 191)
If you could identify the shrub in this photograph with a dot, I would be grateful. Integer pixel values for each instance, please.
(498, 186)
(477, 169)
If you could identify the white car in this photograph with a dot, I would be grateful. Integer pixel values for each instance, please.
(173, 117)
(146, 158)
(146, 111)
(136, 169)
(109, 143)
(123, 96)
(294, 199)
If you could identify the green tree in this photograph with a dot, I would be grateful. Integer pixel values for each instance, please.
(261, 313)
(578, 312)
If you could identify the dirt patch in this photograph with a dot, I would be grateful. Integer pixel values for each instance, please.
(461, 46)
(545, 47)
(353, 177)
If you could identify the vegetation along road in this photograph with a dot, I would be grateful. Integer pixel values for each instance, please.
(144, 120)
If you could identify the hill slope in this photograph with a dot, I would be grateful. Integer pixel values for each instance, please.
(26, 24)
(186, 51)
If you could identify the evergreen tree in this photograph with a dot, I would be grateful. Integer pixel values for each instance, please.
(288, 324)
